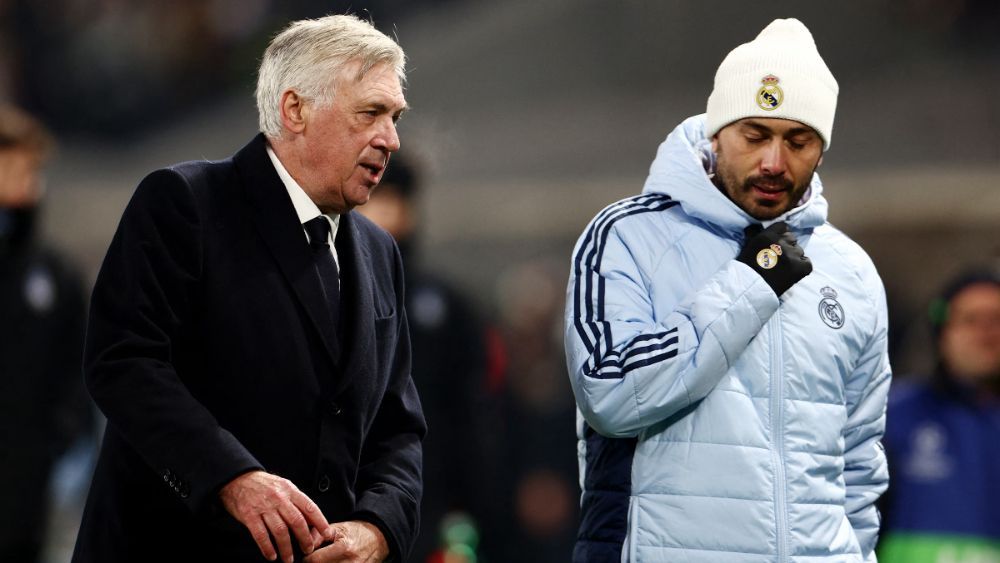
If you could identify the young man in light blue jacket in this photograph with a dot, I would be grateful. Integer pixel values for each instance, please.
(726, 344)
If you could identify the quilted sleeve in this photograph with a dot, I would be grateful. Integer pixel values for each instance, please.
(629, 370)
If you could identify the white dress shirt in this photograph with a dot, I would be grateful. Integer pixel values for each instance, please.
(305, 208)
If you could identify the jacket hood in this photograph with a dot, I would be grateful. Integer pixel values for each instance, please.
(681, 170)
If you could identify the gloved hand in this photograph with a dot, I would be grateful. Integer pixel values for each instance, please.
(774, 253)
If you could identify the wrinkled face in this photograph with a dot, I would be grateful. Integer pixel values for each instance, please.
(20, 179)
(345, 145)
(765, 165)
(970, 337)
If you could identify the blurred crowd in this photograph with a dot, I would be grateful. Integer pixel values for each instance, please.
(97, 67)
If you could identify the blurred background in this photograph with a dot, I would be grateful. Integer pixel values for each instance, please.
(528, 118)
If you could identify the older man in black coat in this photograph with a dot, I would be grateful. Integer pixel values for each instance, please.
(247, 338)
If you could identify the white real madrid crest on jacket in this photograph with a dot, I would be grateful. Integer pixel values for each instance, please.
(717, 422)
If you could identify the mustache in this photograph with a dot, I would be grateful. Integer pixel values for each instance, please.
(769, 182)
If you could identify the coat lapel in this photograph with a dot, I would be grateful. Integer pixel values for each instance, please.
(279, 226)
(359, 325)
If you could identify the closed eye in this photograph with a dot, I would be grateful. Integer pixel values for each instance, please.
(800, 142)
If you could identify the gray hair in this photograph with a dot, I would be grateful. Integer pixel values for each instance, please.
(308, 56)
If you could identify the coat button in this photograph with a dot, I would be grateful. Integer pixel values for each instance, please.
(324, 484)
(335, 409)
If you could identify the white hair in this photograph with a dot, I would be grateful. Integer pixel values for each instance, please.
(308, 56)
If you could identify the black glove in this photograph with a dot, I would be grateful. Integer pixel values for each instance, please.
(774, 253)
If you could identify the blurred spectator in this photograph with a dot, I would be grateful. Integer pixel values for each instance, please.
(540, 505)
(449, 370)
(43, 407)
(943, 438)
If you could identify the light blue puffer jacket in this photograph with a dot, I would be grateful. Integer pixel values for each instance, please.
(718, 423)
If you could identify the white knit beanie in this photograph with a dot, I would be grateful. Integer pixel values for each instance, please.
(779, 74)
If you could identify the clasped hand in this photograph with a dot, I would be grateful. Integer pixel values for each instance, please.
(270, 507)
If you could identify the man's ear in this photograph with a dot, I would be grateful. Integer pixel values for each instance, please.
(293, 111)
(820, 161)
(715, 143)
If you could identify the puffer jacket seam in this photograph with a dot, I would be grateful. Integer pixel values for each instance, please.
(688, 494)
(706, 549)
(722, 444)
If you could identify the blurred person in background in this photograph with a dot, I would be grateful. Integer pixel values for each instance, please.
(449, 370)
(726, 345)
(495, 474)
(538, 465)
(247, 337)
(43, 404)
(943, 437)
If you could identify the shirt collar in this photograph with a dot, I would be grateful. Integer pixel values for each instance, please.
(305, 208)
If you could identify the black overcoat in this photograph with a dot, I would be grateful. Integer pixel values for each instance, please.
(211, 352)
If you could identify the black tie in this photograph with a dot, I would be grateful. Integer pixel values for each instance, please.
(318, 230)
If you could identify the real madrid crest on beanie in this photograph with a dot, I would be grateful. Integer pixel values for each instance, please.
(779, 74)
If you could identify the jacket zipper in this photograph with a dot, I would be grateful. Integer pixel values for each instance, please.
(777, 435)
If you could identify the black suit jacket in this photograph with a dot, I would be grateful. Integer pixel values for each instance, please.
(211, 352)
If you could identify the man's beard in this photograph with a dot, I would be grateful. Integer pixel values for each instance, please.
(725, 180)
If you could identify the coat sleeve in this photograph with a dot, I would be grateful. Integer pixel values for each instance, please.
(389, 484)
(628, 368)
(142, 301)
(866, 473)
